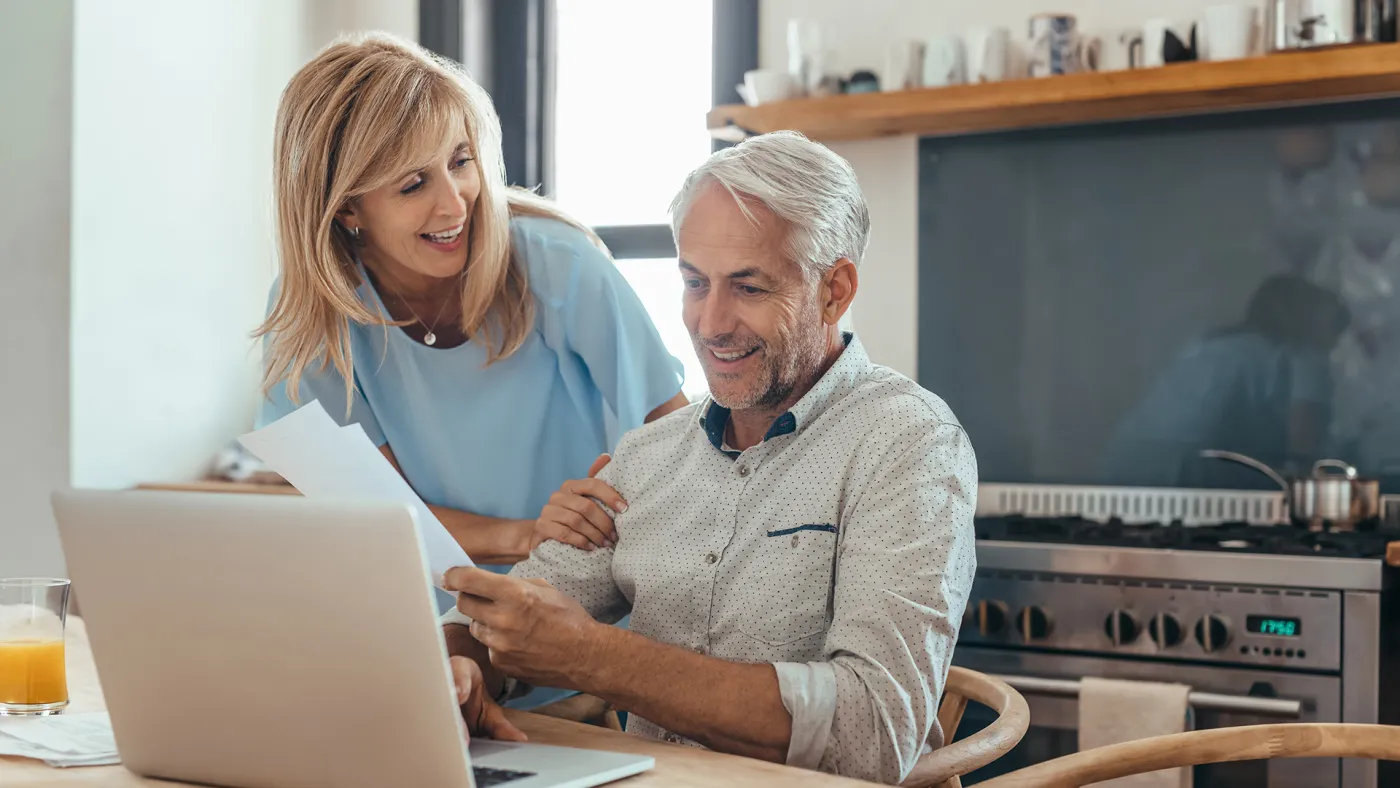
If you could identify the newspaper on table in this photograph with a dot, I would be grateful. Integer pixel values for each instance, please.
(61, 739)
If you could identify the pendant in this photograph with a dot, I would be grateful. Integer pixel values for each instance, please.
(430, 339)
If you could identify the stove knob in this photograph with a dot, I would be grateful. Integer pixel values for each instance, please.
(1122, 627)
(990, 617)
(1034, 623)
(1165, 630)
(1213, 632)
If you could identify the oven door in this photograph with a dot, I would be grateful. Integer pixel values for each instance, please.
(1055, 718)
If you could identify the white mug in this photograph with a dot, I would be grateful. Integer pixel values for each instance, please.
(1228, 32)
(988, 55)
(763, 85)
(1154, 39)
(945, 62)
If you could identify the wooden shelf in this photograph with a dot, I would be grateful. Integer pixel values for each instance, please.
(1302, 77)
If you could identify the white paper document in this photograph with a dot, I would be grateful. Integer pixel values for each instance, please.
(61, 740)
(324, 460)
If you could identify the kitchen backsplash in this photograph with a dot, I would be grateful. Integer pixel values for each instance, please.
(1099, 304)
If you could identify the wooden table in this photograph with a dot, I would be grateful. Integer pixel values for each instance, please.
(675, 765)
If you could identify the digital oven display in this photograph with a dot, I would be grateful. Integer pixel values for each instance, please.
(1274, 626)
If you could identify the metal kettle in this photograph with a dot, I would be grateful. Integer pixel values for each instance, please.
(1322, 500)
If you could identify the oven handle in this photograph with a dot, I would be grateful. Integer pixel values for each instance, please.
(1203, 701)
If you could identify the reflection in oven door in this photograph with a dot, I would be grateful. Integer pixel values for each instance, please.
(1055, 719)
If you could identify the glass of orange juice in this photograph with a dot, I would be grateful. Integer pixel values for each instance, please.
(33, 677)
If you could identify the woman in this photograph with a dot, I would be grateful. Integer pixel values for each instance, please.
(483, 339)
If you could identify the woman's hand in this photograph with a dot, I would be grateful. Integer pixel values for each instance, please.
(573, 515)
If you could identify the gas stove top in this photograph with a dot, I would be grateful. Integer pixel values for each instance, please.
(1237, 537)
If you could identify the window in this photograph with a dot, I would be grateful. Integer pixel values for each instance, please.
(632, 87)
(658, 284)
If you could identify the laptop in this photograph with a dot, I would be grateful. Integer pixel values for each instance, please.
(282, 642)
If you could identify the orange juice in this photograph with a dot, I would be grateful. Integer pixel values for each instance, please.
(32, 672)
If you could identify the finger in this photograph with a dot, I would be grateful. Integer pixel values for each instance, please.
(495, 725)
(477, 582)
(596, 516)
(560, 533)
(464, 677)
(483, 633)
(476, 608)
(595, 488)
(599, 464)
(574, 514)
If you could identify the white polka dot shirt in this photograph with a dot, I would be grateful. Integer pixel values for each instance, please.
(840, 549)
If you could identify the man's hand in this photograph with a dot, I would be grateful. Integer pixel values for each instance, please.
(531, 629)
(574, 517)
(482, 715)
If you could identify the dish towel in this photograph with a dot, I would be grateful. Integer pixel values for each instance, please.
(1113, 711)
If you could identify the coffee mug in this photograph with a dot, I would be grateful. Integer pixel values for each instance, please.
(988, 54)
(945, 62)
(763, 85)
(1058, 48)
(1154, 40)
(1228, 32)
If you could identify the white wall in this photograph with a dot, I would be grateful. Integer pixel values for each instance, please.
(36, 40)
(172, 234)
(327, 19)
(886, 312)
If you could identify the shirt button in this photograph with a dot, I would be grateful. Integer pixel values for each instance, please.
(699, 649)
(710, 558)
(794, 540)
(743, 470)
(673, 738)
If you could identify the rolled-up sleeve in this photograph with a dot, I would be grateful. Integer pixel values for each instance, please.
(904, 568)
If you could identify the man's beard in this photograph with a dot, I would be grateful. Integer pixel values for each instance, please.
(785, 364)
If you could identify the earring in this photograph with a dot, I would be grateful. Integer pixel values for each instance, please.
(355, 233)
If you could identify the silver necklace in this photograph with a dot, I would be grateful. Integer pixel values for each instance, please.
(431, 337)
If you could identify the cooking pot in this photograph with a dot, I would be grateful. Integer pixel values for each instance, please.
(1323, 500)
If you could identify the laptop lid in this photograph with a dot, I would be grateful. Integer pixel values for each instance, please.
(264, 640)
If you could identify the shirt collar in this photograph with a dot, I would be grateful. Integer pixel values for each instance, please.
(839, 380)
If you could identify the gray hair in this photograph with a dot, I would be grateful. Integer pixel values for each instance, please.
(803, 183)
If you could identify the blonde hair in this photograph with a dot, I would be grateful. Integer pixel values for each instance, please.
(361, 114)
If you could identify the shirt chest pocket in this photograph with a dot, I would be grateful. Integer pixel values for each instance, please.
(788, 577)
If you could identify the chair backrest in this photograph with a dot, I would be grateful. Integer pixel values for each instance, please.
(1218, 745)
(942, 767)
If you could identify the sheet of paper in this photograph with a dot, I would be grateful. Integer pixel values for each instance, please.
(61, 740)
(324, 460)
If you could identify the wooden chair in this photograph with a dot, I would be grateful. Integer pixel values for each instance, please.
(1218, 745)
(942, 767)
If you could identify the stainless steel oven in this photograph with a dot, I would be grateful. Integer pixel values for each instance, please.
(1264, 623)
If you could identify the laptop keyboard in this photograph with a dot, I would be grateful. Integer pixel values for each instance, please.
(487, 777)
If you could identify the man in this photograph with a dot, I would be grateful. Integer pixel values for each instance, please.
(795, 551)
